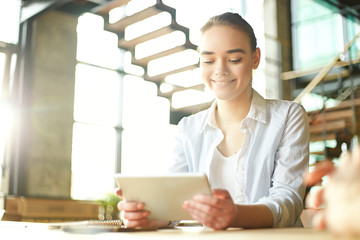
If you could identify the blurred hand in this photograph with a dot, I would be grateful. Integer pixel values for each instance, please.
(340, 195)
(217, 211)
(135, 215)
(320, 170)
(315, 198)
(323, 168)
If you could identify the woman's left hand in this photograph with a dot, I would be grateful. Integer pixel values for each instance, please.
(217, 211)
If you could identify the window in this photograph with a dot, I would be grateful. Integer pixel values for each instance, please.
(147, 136)
(117, 114)
(10, 21)
(7, 69)
(318, 33)
(97, 108)
(111, 104)
(3, 112)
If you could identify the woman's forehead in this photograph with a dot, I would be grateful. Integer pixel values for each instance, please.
(223, 38)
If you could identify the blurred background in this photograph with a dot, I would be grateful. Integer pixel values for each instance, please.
(90, 88)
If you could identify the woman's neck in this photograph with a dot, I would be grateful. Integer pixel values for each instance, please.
(234, 110)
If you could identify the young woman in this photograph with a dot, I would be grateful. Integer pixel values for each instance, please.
(253, 150)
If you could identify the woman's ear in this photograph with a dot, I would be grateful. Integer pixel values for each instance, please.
(256, 58)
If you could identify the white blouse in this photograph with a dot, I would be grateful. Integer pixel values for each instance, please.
(275, 152)
(223, 172)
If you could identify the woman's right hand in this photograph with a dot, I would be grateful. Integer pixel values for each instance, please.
(135, 215)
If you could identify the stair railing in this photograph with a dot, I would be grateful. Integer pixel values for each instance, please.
(323, 72)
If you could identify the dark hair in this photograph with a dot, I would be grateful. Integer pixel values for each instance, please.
(232, 20)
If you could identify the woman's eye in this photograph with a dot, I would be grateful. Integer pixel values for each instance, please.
(235, 60)
(207, 61)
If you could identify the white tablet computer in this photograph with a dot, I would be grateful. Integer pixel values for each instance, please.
(163, 195)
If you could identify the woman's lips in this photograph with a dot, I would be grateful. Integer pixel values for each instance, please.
(222, 82)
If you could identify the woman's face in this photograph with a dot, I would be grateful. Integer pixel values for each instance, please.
(227, 61)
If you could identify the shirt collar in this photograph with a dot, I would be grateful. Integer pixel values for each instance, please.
(258, 108)
(257, 111)
(210, 120)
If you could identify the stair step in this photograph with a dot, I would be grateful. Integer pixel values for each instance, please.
(199, 87)
(332, 126)
(157, 33)
(161, 77)
(330, 116)
(120, 25)
(106, 8)
(345, 104)
(319, 137)
(321, 153)
(302, 73)
(144, 61)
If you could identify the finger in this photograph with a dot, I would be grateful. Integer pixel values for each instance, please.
(320, 170)
(130, 206)
(210, 218)
(199, 211)
(315, 198)
(221, 193)
(319, 221)
(136, 223)
(214, 203)
(212, 211)
(118, 192)
(207, 200)
(355, 155)
(318, 198)
(139, 215)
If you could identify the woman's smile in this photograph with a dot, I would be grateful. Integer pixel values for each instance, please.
(222, 83)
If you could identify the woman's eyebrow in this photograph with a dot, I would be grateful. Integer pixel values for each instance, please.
(206, 53)
(236, 50)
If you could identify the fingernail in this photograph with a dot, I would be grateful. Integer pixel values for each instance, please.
(140, 206)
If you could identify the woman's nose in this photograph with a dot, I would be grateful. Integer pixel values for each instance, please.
(221, 69)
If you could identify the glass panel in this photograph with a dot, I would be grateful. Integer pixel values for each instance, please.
(3, 111)
(131, 68)
(141, 106)
(190, 97)
(129, 9)
(159, 44)
(172, 62)
(95, 45)
(317, 34)
(6, 125)
(192, 18)
(97, 96)
(10, 21)
(185, 79)
(146, 149)
(147, 25)
(146, 128)
(12, 72)
(93, 161)
(308, 10)
(135, 6)
(2, 68)
(353, 26)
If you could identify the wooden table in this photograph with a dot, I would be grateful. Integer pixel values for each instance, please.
(21, 230)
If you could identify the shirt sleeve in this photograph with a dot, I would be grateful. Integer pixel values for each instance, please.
(287, 190)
